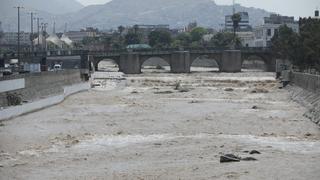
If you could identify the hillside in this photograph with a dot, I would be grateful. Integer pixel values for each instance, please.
(47, 9)
(176, 13)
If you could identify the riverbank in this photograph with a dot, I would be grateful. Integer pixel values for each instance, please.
(166, 126)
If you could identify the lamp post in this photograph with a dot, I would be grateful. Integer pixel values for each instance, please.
(31, 35)
(44, 30)
(38, 28)
(19, 7)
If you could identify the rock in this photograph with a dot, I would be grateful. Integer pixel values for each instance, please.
(229, 89)
(248, 159)
(163, 92)
(254, 107)
(254, 152)
(184, 90)
(308, 134)
(229, 158)
(259, 90)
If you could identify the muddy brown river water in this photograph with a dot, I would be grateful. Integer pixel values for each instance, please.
(165, 126)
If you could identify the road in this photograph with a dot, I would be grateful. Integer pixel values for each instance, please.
(166, 126)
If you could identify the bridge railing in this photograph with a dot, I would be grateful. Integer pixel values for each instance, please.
(122, 51)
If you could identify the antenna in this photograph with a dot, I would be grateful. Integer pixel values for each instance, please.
(65, 27)
(233, 7)
(54, 27)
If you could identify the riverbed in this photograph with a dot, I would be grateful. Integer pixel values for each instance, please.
(159, 125)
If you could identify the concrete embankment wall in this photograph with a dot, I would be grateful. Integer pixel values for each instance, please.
(307, 93)
(309, 82)
(38, 90)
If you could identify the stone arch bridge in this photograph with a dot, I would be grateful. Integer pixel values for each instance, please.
(180, 61)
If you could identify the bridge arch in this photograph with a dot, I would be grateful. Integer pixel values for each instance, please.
(260, 61)
(205, 60)
(155, 63)
(107, 64)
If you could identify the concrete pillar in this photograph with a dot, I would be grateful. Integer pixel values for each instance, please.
(130, 63)
(180, 62)
(231, 61)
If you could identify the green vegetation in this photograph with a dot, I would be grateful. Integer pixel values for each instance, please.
(197, 34)
(225, 40)
(303, 49)
(160, 39)
(132, 38)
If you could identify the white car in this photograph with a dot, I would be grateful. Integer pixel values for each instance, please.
(57, 67)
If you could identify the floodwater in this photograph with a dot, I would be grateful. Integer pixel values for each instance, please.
(159, 125)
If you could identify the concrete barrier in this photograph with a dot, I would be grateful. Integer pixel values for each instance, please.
(309, 82)
(30, 87)
(307, 93)
(14, 111)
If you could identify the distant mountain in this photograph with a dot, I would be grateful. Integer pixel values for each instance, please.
(176, 13)
(47, 9)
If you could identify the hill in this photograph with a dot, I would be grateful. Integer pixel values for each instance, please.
(176, 13)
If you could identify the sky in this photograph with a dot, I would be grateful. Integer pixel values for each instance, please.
(297, 8)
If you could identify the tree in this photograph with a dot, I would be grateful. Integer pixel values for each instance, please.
(182, 40)
(286, 45)
(120, 30)
(160, 38)
(225, 40)
(132, 38)
(236, 18)
(197, 33)
(310, 42)
(136, 28)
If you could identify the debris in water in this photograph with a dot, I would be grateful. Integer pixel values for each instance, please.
(229, 158)
(229, 89)
(259, 90)
(248, 159)
(254, 152)
(163, 92)
(254, 107)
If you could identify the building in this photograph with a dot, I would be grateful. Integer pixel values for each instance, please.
(12, 38)
(244, 24)
(78, 36)
(264, 33)
(191, 26)
(278, 19)
(247, 38)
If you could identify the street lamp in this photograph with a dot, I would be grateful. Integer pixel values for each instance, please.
(31, 35)
(44, 30)
(38, 28)
(18, 7)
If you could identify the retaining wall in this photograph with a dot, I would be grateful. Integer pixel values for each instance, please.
(307, 93)
(306, 81)
(30, 87)
(14, 111)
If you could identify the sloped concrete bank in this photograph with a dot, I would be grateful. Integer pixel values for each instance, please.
(21, 94)
(305, 89)
(15, 111)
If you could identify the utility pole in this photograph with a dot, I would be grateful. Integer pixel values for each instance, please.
(44, 28)
(19, 7)
(31, 36)
(38, 26)
(233, 8)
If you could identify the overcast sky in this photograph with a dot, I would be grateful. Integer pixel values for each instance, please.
(295, 8)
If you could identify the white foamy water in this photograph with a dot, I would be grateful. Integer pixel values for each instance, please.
(279, 143)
